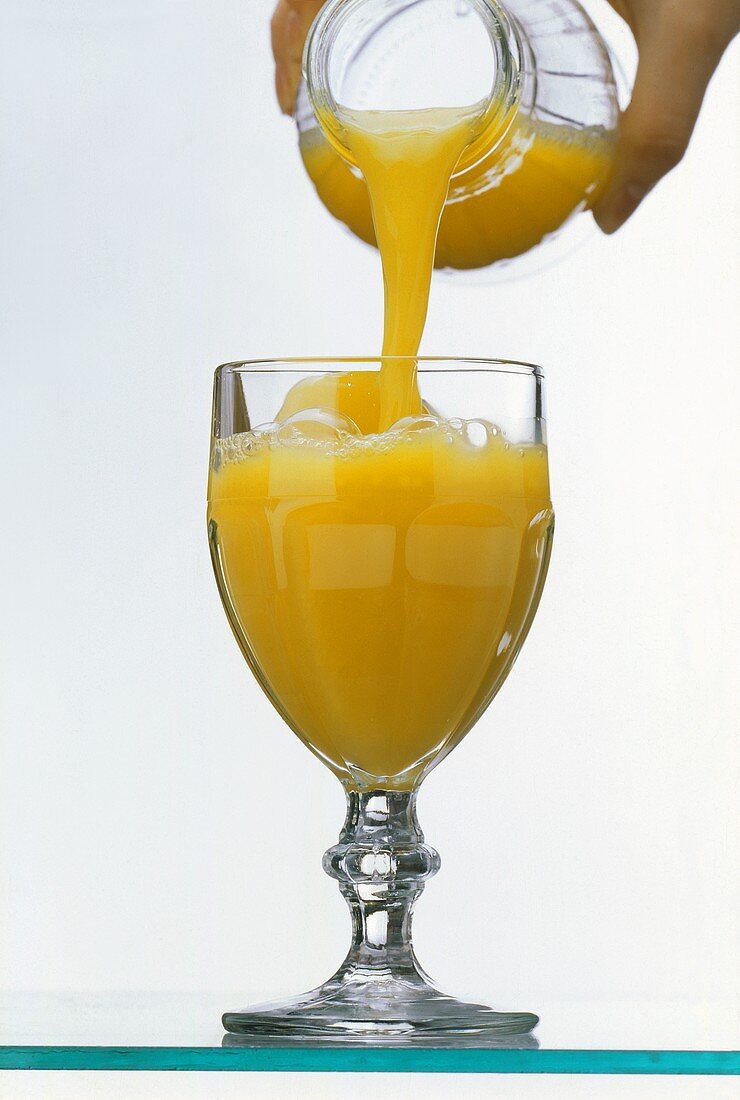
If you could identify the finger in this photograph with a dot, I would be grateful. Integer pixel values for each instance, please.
(289, 27)
(679, 51)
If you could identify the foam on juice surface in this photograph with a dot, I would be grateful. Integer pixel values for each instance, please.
(334, 435)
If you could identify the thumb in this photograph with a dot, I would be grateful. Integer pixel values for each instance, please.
(679, 51)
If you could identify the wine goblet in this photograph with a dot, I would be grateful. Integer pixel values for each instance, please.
(380, 586)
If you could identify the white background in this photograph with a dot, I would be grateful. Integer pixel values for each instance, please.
(159, 830)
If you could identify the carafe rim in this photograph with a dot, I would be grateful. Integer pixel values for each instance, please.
(502, 103)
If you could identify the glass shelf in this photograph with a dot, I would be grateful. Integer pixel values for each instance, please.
(373, 1060)
(182, 1032)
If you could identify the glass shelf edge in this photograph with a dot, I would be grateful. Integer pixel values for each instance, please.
(372, 1060)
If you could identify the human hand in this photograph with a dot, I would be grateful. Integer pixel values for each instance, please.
(289, 27)
(680, 43)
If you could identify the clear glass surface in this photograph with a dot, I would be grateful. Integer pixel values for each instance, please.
(380, 587)
(544, 147)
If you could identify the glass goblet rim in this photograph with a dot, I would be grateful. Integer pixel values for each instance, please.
(426, 364)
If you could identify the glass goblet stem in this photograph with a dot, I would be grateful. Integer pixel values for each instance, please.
(381, 863)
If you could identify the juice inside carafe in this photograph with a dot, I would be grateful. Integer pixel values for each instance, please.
(525, 189)
(380, 564)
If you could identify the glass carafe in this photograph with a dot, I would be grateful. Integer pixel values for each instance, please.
(545, 145)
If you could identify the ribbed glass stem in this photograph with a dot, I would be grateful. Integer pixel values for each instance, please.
(381, 863)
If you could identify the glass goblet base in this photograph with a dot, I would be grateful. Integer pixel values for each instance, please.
(380, 995)
(379, 1011)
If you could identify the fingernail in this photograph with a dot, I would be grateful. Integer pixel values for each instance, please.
(282, 87)
(621, 208)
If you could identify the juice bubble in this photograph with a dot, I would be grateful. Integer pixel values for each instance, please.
(264, 431)
(410, 424)
(233, 448)
(477, 433)
(316, 426)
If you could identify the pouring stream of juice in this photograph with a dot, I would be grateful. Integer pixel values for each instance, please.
(407, 159)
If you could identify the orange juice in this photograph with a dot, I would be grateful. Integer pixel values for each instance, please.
(380, 586)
